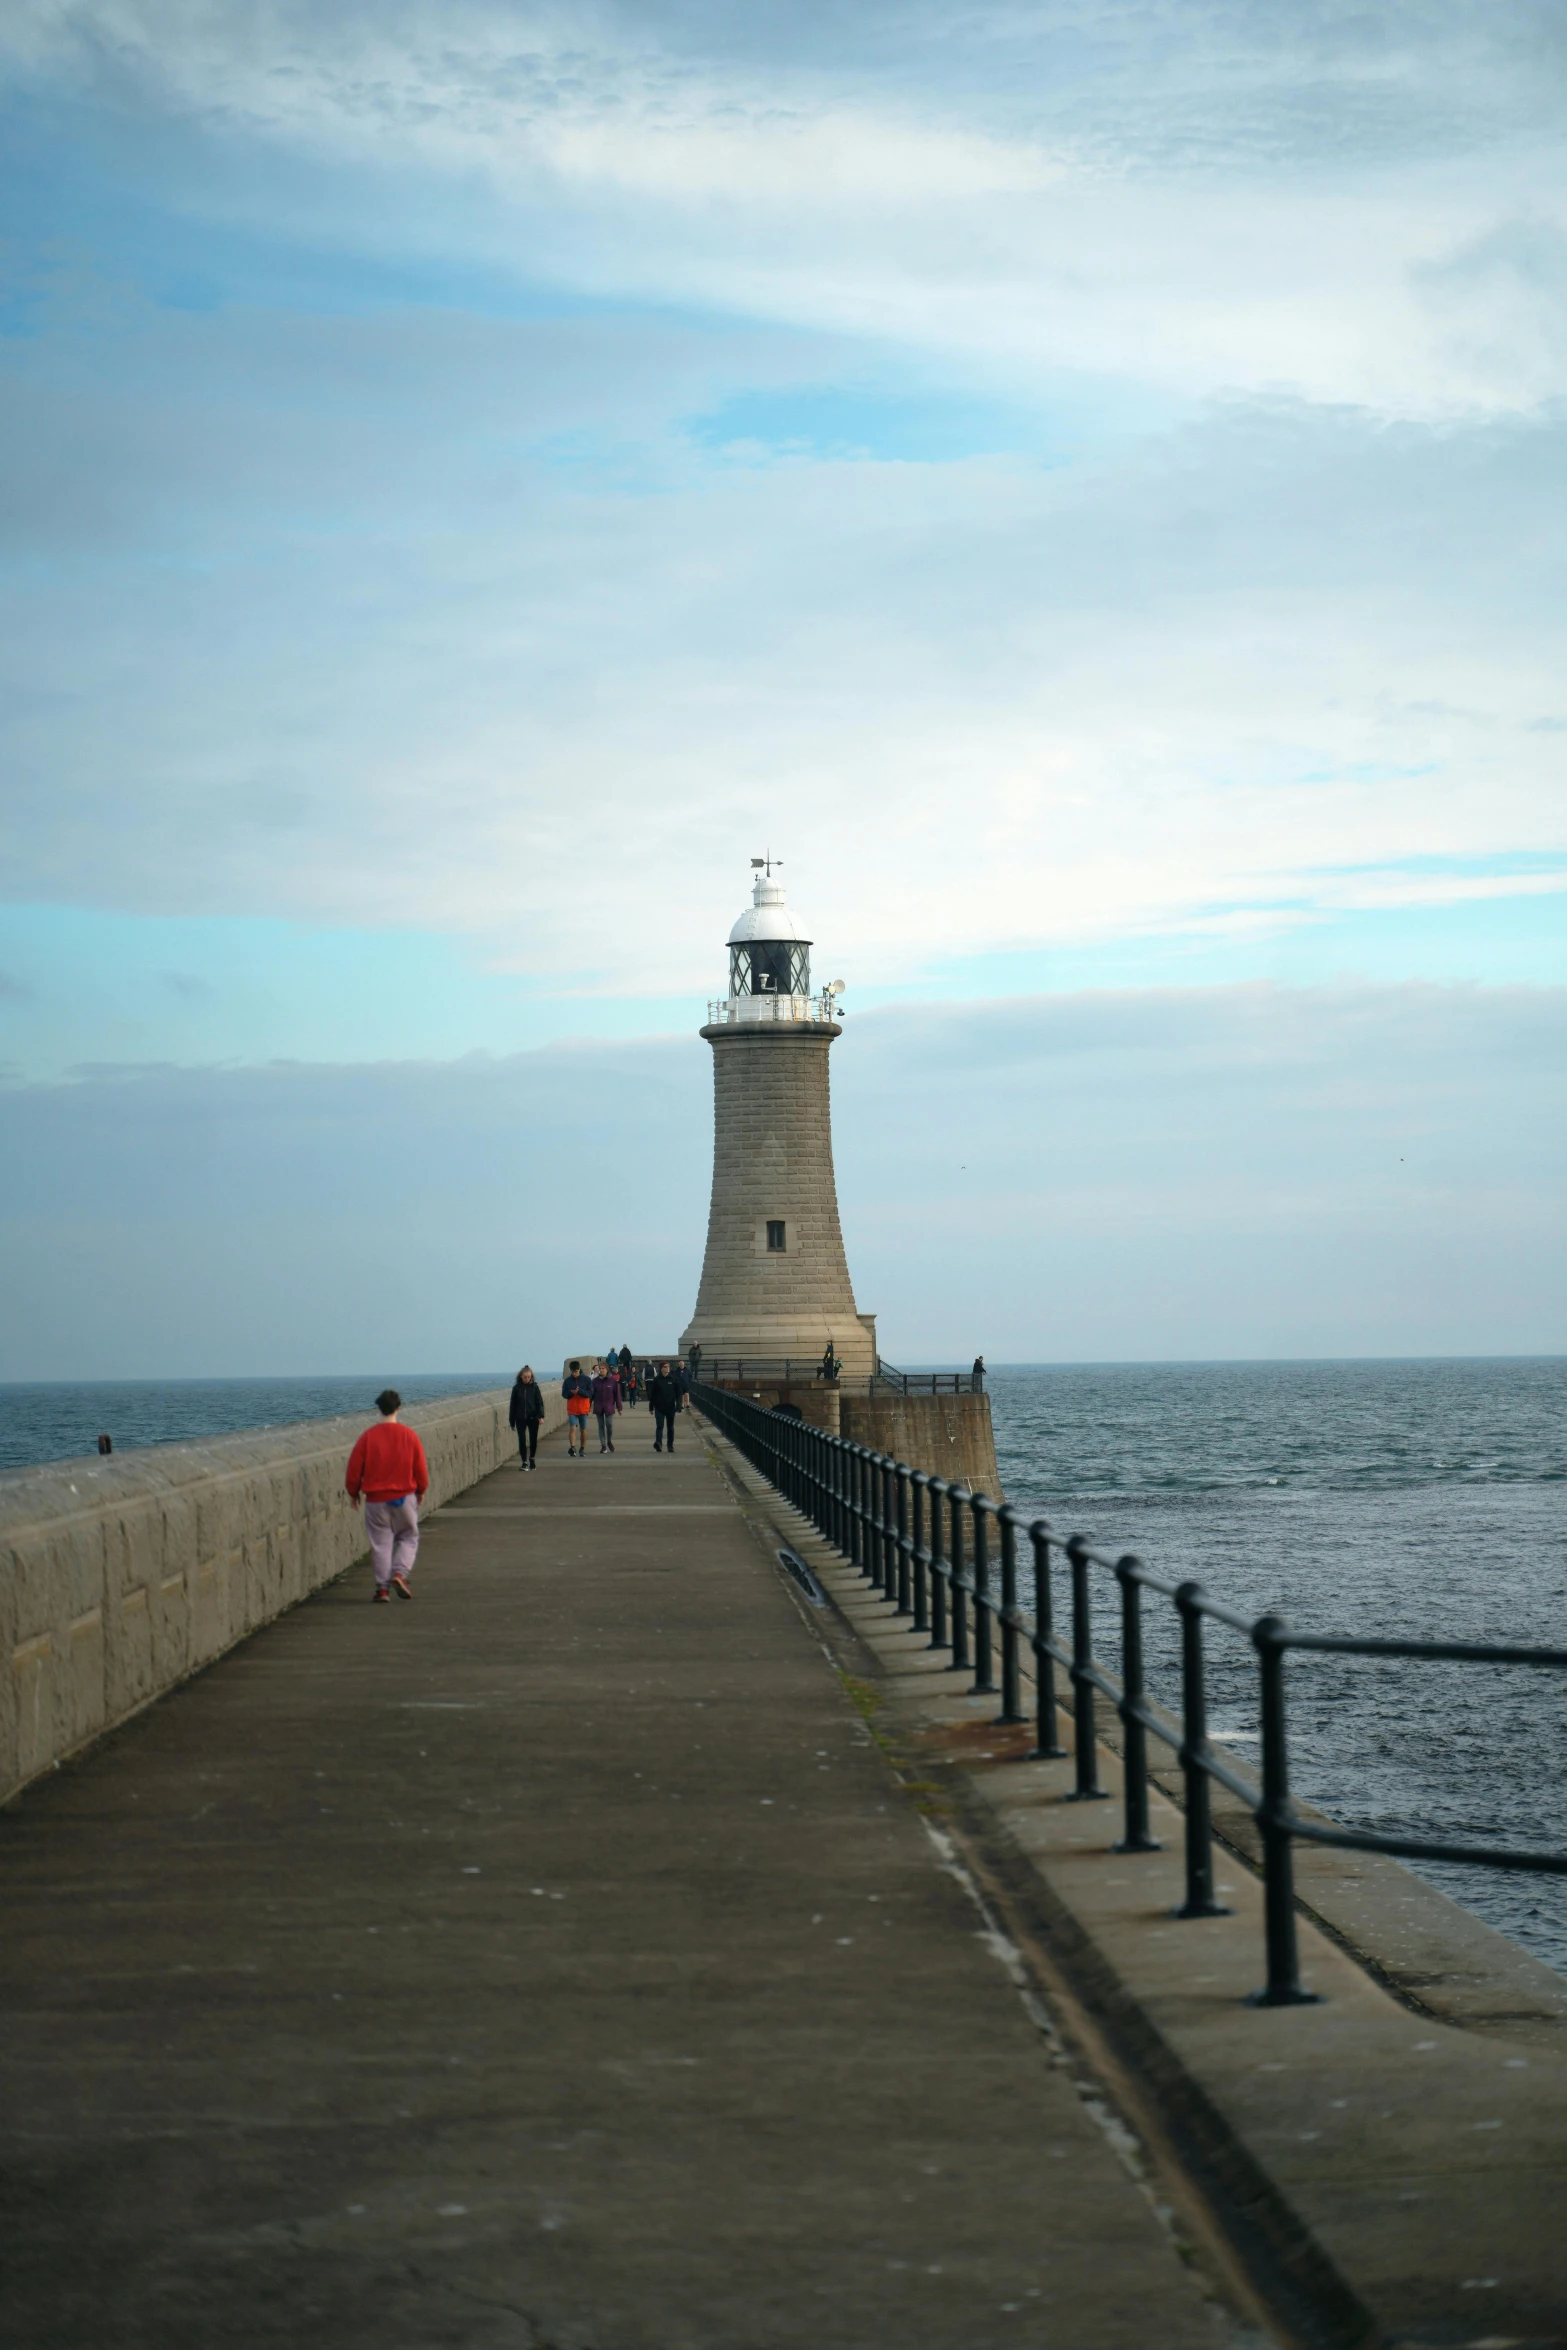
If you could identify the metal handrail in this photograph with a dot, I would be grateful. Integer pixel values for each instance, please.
(895, 1382)
(807, 1370)
(929, 1547)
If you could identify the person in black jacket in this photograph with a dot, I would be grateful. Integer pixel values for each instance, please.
(663, 1395)
(527, 1410)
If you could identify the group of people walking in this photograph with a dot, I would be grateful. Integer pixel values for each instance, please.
(609, 1386)
(389, 1475)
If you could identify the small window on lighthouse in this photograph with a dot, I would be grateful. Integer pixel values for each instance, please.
(775, 1233)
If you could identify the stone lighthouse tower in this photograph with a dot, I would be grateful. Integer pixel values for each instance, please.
(775, 1285)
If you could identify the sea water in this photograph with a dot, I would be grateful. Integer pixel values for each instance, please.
(1423, 1500)
(57, 1421)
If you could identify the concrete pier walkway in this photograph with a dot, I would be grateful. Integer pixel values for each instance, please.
(555, 1961)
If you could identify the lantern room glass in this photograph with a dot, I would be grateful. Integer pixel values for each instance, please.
(770, 966)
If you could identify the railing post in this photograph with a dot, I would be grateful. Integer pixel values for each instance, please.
(905, 1547)
(851, 1465)
(1137, 1836)
(1085, 1737)
(870, 1561)
(870, 1542)
(838, 1533)
(984, 1626)
(1199, 1902)
(1047, 1736)
(920, 1486)
(938, 1568)
(1011, 1646)
(886, 1569)
(1270, 1637)
(846, 1498)
(961, 1659)
(866, 1494)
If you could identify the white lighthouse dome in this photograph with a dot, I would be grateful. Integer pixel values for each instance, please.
(770, 962)
(767, 916)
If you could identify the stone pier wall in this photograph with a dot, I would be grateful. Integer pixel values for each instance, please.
(945, 1435)
(120, 1577)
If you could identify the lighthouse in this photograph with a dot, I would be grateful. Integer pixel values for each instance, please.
(775, 1287)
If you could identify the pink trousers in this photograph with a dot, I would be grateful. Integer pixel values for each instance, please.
(393, 1528)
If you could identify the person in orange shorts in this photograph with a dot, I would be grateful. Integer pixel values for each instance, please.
(578, 1392)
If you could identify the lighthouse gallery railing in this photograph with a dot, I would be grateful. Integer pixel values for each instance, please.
(949, 1560)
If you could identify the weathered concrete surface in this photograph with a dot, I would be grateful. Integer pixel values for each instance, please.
(1409, 2172)
(120, 1576)
(554, 1961)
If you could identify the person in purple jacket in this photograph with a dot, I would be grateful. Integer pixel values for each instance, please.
(606, 1403)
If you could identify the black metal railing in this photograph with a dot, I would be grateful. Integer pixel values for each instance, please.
(949, 1560)
(807, 1371)
(893, 1382)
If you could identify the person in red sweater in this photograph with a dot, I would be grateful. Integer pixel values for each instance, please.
(388, 1471)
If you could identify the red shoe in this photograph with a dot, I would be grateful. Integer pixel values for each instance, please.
(400, 1586)
(381, 1596)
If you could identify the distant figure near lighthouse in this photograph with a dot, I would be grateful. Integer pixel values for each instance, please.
(775, 1282)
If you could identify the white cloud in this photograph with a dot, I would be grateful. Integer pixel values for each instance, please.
(1235, 206)
(328, 627)
(370, 606)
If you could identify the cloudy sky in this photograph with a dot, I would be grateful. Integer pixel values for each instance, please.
(1083, 482)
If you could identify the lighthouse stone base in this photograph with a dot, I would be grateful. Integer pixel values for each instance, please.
(775, 1286)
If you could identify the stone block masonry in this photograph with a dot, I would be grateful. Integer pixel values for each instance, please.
(120, 1577)
(945, 1435)
(772, 1166)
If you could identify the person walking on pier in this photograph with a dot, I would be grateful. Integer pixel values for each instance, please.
(663, 1395)
(388, 1471)
(525, 1414)
(606, 1403)
(579, 1402)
